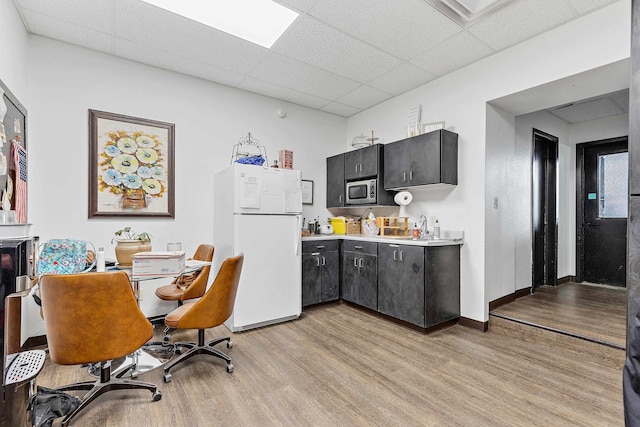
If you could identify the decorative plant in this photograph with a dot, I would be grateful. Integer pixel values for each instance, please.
(132, 166)
(128, 234)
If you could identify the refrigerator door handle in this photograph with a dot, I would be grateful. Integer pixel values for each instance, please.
(298, 236)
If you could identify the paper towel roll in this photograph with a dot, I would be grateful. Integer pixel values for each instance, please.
(403, 198)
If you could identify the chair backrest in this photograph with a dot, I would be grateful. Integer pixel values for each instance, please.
(215, 307)
(91, 317)
(199, 285)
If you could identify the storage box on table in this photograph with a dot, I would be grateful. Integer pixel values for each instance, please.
(158, 264)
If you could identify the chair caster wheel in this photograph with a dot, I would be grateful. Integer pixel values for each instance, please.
(167, 377)
(166, 338)
(157, 395)
(229, 368)
(134, 375)
(229, 344)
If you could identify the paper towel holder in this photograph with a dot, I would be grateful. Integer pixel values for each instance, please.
(403, 198)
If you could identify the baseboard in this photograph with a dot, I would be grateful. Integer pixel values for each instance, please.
(475, 324)
(566, 279)
(508, 298)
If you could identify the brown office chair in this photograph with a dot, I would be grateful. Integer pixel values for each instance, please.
(212, 310)
(173, 291)
(91, 318)
(196, 286)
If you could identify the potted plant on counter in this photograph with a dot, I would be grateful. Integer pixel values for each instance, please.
(128, 243)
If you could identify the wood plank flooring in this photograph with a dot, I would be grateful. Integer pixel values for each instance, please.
(594, 311)
(340, 366)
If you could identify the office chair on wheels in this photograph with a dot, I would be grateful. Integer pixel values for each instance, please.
(184, 288)
(212, 310)
(94, 318)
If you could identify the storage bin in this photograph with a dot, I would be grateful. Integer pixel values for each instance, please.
(353, 226)
(339, 225)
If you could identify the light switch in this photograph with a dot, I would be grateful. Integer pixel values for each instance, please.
(495, 203)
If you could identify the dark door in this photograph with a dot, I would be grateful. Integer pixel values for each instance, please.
(544, 213)
(602, 224)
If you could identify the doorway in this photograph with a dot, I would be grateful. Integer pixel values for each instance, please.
(601, 207)
(544, 209)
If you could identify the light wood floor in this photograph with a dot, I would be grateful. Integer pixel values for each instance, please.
(593, 311)
(339, 366)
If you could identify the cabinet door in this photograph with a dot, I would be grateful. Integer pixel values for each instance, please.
(335, 181)
(424, 159)
(396, 164)
(442, 284)
(362, 163)
(311, 269)
(330, 276)
(359, 279)
(401, 282)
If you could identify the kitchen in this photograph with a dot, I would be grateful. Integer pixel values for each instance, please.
(210, 119)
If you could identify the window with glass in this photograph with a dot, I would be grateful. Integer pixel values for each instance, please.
(613, 172)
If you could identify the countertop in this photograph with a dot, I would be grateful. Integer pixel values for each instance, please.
(449, 237)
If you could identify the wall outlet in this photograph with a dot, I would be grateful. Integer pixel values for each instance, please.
(495, 203)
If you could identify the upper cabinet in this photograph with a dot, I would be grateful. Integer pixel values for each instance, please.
(335, 181)
(363, 162)
(427, 159)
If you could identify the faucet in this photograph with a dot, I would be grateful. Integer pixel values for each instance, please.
(423, 227)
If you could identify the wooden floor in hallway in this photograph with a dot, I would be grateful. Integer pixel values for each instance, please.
(588, 310)
(340, 366)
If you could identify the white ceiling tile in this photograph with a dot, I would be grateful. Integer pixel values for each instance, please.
(283, 93)
(315, 43)
(588, 110)
(147, 25)
(583, 6)
(439, 59)
(521, 20)
(340, 109)
(287, 72)
(94, 14)
(404, 28)
(364, 97)
(401, 79)
(150, 56)
(69, 33)
(298, 5)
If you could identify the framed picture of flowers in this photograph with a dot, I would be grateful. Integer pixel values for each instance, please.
(130, 166)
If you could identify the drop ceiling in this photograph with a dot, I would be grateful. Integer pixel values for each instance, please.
(339, 56)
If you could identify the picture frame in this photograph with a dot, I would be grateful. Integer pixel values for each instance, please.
(131, 166)
(307, 192)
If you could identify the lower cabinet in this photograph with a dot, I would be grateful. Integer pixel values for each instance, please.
(401, 282)
(419, 285)
(416, 284)
(359, 273)
(320, 271)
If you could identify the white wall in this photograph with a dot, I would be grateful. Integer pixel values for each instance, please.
(66, 81)
(460, 99)
(13, 64)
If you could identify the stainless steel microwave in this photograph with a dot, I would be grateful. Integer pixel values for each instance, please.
(362, 192)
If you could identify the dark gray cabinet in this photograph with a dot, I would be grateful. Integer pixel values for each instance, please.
(419, 285)
(427, 159)
(335, 181)
(359, 273)
(363, 162)
(320, 271)
(401, 279)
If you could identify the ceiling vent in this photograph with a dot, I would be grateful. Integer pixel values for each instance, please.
(467, 12)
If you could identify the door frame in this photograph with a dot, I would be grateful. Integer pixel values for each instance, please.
(550, 277)
(579, 190)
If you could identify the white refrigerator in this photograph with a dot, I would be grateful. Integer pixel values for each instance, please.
(257, 211)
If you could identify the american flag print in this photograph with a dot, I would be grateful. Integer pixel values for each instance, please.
(19, 157)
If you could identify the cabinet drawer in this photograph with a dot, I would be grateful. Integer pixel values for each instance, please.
(320, 246)
(370, 248)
